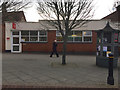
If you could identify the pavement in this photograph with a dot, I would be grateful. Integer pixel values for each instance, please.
(41, 70)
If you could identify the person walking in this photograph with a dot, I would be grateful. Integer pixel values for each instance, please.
(54, 49)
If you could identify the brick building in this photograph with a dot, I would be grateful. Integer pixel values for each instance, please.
(12, 17)
(21, 36)
(38, 37)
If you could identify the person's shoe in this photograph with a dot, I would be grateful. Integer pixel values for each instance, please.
(57, 56)
(50, 56)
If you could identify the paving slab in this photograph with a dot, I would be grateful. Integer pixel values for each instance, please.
(41, 70)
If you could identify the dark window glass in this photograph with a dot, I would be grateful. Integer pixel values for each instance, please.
(87, 33)
(25, 39)
(33, 38)
(42, 32)
(59, 38)
(78, 39)
(104, 53)
(108, 48)
(15, 40)
(87, 39)
(107, 37)
(116, 51)
(15, 48)
(70, 39)
(78, 33)
(24, 32)
(43, 39)
(15, 32)
(33, 32)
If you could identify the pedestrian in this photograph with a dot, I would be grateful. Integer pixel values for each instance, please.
(54, 49)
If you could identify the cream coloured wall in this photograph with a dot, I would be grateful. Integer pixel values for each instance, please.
(8, 27)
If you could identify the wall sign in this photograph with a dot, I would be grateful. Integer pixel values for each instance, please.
(13, 25)
(8, 38)
(105, 48)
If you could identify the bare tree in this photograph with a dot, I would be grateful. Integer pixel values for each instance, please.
(115, 4)
(13, 6)
(65, 16)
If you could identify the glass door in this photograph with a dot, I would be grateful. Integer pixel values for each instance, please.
(15, 42)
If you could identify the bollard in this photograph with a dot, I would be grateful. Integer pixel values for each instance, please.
(110, 79)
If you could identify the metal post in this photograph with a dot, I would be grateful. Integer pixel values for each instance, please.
(110, 79)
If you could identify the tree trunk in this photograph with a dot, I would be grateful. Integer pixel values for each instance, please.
(64, 50)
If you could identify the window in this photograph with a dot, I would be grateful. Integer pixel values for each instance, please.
(107, 37)
(87, 33)
(87, 36)
(24, 36)
(33, 36)
(25, 33)
(76, 36)
(59, 36)
(42, 36)
(15, 48)
(15, 32)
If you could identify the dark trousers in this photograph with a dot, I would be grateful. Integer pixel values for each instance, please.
(53, 53)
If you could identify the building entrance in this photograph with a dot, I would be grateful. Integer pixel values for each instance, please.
(15, 42)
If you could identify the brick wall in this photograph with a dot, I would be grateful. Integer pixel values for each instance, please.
(41, 47)
(71, 47)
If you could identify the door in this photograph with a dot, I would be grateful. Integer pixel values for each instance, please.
(15, 42)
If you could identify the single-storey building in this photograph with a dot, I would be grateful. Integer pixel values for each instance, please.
(39, 36)
(21, 36)
(17, 16)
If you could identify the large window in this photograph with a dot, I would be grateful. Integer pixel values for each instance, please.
(42, 36)
(24, 36)
(59, 36)
(34, 36)
(76, 36)
(87, 36)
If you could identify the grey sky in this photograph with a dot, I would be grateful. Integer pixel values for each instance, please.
(103, 8)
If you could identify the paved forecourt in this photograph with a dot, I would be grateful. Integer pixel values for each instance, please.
(41, 70)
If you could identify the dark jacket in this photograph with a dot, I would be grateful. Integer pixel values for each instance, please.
(54, 46)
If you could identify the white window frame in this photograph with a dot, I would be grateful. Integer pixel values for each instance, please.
(86, 36)
(43, 36)
(77, 36)
(33, 36)
(38, 35)
(58, 35)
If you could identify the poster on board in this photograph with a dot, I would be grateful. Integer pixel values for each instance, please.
(105, 48)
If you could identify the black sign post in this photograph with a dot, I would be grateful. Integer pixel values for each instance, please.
(110, 79)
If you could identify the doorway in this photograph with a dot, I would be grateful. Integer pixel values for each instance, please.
(15, 42)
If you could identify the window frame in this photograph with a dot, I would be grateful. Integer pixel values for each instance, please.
(33, 36)
(58, 35)
(73, 33)
(38, 36)
(86, 36)
(42, 36)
